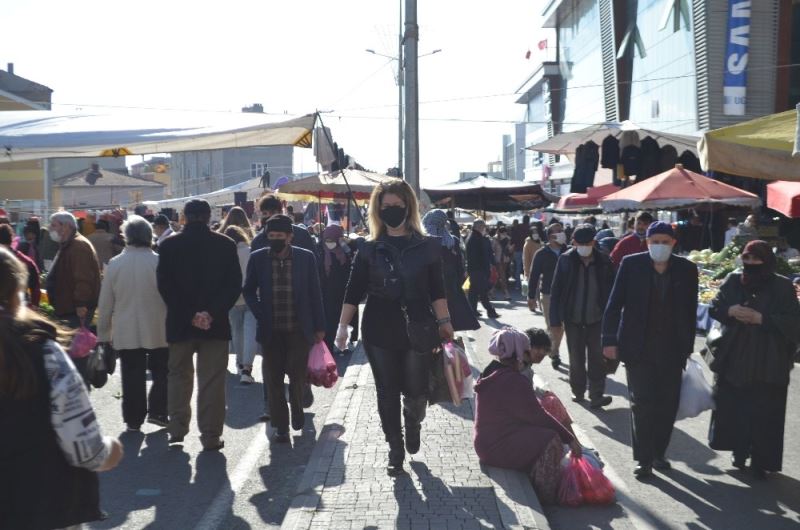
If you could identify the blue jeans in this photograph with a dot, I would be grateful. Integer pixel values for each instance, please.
(243, 333)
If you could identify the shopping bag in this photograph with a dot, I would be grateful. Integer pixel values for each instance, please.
(83, 342)
(438, 390)
(582, 483)
(321, 368)
(493, 275)
(96, 368)
(524, 288)
(555, 408)
(696, 392)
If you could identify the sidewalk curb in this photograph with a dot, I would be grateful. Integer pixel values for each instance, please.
(517, 502)
(307, 496)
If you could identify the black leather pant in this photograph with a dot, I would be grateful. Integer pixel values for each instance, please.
(399, 372)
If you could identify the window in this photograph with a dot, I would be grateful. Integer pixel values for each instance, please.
(257, 170)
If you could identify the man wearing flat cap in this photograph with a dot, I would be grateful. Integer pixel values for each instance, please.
(282, 290)
(649, 324)
(199, 279)
(581, 285)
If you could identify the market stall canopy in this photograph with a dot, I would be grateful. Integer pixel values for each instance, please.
(677, 188)
(221, 197)
(490, 194)
(35, 134)
(784, 197)
(760, 148)
(334, 185)
(567, 143)
(582, 201)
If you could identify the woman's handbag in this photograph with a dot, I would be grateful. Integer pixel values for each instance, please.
(713, 352)
(423, 335)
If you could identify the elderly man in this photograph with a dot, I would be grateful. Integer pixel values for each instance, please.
(73, 284)
(581, 285)
(649, 324)
(200, 280)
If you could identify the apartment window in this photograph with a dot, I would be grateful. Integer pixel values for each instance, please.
(257, 170)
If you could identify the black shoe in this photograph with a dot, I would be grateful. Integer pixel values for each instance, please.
(264, 416)
(412, 440)
(477, 313)
(216, 447)
(555, 360)
(643, 471)
(600, 402)
(396, 456)
(161, 421)
(494, 315)
(758, 472)
(282, 438)
(739, 462)
(662, 464)
(578, 398)
(298, 420)
(308, 396)
(175, 439)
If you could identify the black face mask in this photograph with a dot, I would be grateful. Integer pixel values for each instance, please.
(752, 269)
(277, 245)
(393, 216)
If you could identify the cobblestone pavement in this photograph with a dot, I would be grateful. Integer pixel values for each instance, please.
(444, 487)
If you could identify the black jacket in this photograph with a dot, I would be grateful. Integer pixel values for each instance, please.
(38, 488)
(625, 318)
(198, 270)
(544, 267)
(565, 280)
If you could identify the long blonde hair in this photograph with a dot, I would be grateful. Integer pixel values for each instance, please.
(403, 190)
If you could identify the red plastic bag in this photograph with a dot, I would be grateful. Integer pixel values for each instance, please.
(555, 408)
(493, 275)
(321, 368)
(582, 483)
(83, 342)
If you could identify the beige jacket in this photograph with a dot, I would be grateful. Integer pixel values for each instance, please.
(131, 313)
(528, 251)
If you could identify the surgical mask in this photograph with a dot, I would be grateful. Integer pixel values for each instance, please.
(660, 252)
(393, 216)
(277, 245)
(55, 236)
(330, 244)
(584, 251)
(561, 238)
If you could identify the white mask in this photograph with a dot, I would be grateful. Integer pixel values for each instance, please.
(561, 238)
(55, 236)
(330, 244)
(584, 251)
(660, 252)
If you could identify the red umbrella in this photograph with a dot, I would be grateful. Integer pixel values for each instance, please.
(590, 199)
(784, 197)
(677, 188)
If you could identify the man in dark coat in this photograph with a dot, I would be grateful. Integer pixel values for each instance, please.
(480, 259)
(542, 270)
(282, 290)
(649, 324)
(581, 285)
(200, 280)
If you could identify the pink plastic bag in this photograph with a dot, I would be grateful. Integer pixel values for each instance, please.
(555, 408)
(582, 483)
(321, 369)
(83, 342)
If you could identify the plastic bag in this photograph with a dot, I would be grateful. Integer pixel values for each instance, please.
(582, 483)
(555, 408)
(457, 372)
(696, 392)
(591, 455)
(83, 342)
(524, 288)
(96, 368)
(321, 368)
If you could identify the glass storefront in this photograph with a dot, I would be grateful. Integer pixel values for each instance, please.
(663, 90)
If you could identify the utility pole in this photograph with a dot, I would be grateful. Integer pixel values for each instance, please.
(411, 85)
(400, 91)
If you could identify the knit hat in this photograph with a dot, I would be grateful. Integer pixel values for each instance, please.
(660, 227)
(279, 223)
(508, 342)
(584, 234)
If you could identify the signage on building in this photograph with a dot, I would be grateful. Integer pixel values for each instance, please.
(734, 87)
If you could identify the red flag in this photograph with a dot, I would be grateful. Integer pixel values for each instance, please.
(542, 44)
(528, 54)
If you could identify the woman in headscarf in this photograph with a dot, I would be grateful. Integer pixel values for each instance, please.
(760, 319)
(436, 224)
(334, 259)
(512, 430)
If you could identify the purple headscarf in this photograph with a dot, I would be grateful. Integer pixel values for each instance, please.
(509, 343)
(334, 232)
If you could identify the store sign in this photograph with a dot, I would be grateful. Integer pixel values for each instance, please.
(734, 89)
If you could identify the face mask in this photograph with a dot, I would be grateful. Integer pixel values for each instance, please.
(641, 234)
(393, 216)
(660, 252)
(535, 237)
(753, 269)
(277, 245)
(561, 238)
(330, 244)
(55, 236)
(584, 251)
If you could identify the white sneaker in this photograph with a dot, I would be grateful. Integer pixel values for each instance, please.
(246, 378)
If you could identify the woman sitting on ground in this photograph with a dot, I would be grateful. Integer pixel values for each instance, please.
(512, 430)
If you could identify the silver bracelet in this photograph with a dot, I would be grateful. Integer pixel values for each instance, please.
(444, 320)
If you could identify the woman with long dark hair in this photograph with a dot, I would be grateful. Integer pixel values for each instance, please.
(335, 259)
(400, 271)
(51, 446)
(760, 319)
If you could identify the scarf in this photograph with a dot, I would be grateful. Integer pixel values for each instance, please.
(509, 343)
(761, 250)
(334, 232)
(437, 224)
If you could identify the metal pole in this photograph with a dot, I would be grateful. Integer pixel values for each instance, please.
(410, 41)
(400, 92)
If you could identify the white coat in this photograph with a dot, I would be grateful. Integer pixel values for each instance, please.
(131, 312)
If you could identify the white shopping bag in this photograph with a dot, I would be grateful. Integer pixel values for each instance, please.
(695, 391)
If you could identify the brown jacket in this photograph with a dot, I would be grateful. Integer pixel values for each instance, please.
(76, 273)
(528, 251)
